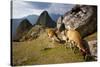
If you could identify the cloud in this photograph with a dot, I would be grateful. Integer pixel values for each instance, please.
(39, 5)
(24, 8)
(59, 8)
(19, 9)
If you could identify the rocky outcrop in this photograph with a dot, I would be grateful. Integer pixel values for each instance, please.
(93, 47)
(59, 21)
(33, 33)
(83, 18)
(60, 24)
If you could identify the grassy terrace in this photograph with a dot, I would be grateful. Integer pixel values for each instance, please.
(34, 52)
(91, 37)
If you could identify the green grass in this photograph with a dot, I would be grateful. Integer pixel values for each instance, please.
(34, 52)
(91, 37)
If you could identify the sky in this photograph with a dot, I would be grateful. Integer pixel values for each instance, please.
(24, 8)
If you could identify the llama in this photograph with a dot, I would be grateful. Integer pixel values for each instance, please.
(73, 38)
(53, 35)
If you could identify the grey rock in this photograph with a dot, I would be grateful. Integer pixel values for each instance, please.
(93, 47)
(59, 21)
(83, 18)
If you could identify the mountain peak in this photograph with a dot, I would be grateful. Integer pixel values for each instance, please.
(45, 20)
(26, 21)
(45, 12)
(23, 27)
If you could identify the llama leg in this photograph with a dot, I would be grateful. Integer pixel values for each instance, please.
(74, 47)
(83, 54)
(67, 43)
(71, 45)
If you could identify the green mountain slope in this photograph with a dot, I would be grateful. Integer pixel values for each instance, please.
(45, 20)
(23, 28)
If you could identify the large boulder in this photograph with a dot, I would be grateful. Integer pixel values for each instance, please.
(59, 21)
(83, 18)
(93, 47)
(60, 24)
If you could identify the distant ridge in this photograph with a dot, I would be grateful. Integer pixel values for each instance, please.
(23, 28)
